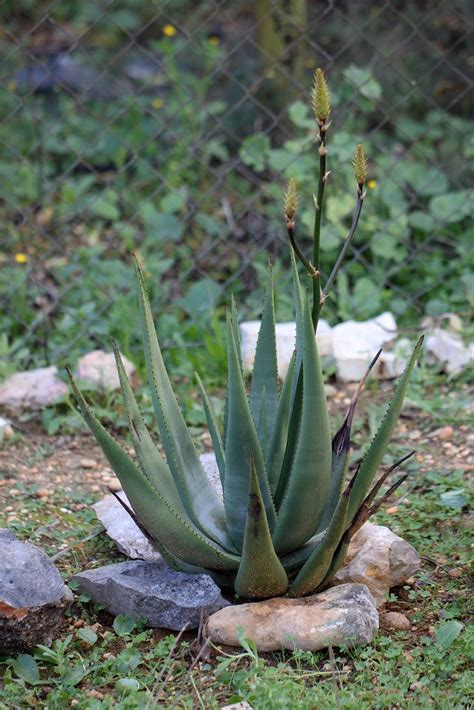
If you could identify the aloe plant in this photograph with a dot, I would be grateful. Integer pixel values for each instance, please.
(287, 514)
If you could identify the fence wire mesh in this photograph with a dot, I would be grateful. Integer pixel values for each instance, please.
(171, 127)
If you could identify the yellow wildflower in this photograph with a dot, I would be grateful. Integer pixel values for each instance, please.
(157, 103)
(21, 258)
(372, 184)
(213, 39)
(169, 30)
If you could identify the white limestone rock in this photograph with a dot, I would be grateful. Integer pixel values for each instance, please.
(354, 344)
(99, 368)
(449, 350)
(32, 389)
(285, 334)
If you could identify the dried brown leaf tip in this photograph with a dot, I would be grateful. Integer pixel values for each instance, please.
(320, 98)
(360, 164)
(290, 199)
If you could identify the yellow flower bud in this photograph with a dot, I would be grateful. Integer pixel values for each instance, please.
(290, 200)
(320, 98)
(360, 164)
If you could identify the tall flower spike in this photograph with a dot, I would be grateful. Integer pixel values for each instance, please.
(290, 199)
(360, 164)
(321, 100)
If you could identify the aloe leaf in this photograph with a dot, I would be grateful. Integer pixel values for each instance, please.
(234, 319)
(149, 458)
(213, 428)
(170, 559)
(264, 392)
(242, 441)
(379, 444)
(261, 573)
(199, 498)
(294, 560)
(297, 389)
(318, 563)
(341, 445)
(277, 448)
(155, 514)
(308, 485)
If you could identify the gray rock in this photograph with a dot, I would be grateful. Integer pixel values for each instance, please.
(32, 389)
(150, 590)
(380, 559)
(340, 616)
(33, 596)
(99, 368)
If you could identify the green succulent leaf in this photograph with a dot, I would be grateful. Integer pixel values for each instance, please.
(297, 389)
(316, 567)
(199, 498)
(277, 448)
(213, 428)
(264, 393)
(261, 573)
(156, 515)
(308, 485)
(241, 443)
(378, 447)
(151, 463)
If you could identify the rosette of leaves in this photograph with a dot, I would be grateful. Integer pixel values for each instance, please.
(287, 513)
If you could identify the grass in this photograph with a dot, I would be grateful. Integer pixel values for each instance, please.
(101, 662)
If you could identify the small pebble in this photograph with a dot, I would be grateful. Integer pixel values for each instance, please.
(395, 620)
(87, 463)
(445, 432)
(455, 572)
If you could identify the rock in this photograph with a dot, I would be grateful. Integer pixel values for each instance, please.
(443, 433)
(6, 429)
(153, 591)
(122, 530)
(449, 350)
(32, 389)
(242, 705)
(354, 344)
(88, 463)
(340, 616)
(380, 559)
(395, 620)
(285, 334)
(33, 596)
(99, 368)
(120, 527)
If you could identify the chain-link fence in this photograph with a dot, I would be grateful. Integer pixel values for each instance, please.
(170, 127)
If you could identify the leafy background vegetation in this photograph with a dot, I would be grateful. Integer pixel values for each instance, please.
(176, 141)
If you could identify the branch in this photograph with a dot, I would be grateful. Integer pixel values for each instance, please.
(345, 247)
